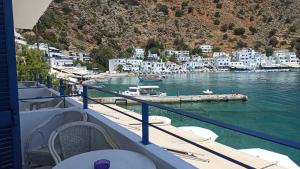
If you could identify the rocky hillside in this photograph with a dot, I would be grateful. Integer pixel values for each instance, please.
(120, 24)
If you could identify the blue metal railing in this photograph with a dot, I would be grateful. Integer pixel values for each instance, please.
(146, 124)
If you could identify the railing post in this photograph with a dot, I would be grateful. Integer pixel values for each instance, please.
(41, 78)
(61, 87)
(145, 120)
(49, 82)
(34, 76)
(85, 97)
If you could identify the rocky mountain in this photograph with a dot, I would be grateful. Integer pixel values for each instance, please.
(120, 24)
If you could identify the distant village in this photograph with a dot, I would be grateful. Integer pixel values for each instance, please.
(245, 59)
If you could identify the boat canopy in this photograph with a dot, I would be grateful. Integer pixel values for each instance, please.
(144, 87)
(149, 87)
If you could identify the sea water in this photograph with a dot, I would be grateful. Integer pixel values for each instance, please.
(273, 106)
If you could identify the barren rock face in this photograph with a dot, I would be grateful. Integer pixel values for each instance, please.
(120, 24)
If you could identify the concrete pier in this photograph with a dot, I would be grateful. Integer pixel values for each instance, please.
(176, 99)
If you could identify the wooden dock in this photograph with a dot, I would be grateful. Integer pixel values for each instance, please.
(176, 99)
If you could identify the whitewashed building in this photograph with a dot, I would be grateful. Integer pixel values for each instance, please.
(208, 62)
(222, 62)
(58, 62)
(132, 65)
(84, 57)
(114, 63)
(206, 48)
(220, 54)
(138, 53)
(152, 56)
(284, 57)
(156, 67)
(19, 39)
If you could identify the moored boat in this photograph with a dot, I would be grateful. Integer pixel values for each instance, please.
(150, 78)
(207, 92)
(143, 91)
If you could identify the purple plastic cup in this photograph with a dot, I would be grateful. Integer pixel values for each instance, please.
(102, 164)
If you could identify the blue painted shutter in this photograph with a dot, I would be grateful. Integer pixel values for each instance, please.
(10, 154)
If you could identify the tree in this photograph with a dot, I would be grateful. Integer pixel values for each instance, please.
(216, 22)
(30, 61)
(120, 68)
(196, 51)
(272, 32)
(252, 30)
(154, 46)
(257, 45)
(164, 9)
(217, 14)
(178, 13)
(239, 31)
(269, 51)
(219, 5)
(100, 57)
(293, 28)
(173, 59)
(190, 9)
(216, 49)
(273, 41)
(184, 4)
(225, 36)
(231, 26)
(282, 43)
(241, 44)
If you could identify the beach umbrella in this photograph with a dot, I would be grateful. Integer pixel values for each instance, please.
(202, 132)
(281, 159)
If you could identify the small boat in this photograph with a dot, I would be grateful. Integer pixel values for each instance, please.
(208, 92)
(150, 78)
(143, 91)
(101, 80)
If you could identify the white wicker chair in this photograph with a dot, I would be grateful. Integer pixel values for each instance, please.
(76, 138)
(36, 147)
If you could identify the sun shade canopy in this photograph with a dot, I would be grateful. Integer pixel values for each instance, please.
(28, 12)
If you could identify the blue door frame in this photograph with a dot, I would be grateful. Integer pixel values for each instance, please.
(10, 144)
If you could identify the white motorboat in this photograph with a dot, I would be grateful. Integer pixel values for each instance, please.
(143, 91)
(208, 92)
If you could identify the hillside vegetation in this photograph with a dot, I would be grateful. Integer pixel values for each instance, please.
(121, 24)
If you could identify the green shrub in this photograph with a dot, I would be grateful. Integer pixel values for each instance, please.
(190, 9)
(253, 30)
(164, 9)
(272, 32)
(231, 26)
(216, 22)
(217, 14)
(239, 31)
(269, 51)
(178, 13)
(293, 28)
(219, 5)
(273, 41)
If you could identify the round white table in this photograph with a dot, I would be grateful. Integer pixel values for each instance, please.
(119, 159)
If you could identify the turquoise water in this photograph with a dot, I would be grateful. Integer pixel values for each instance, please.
(273, 106)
